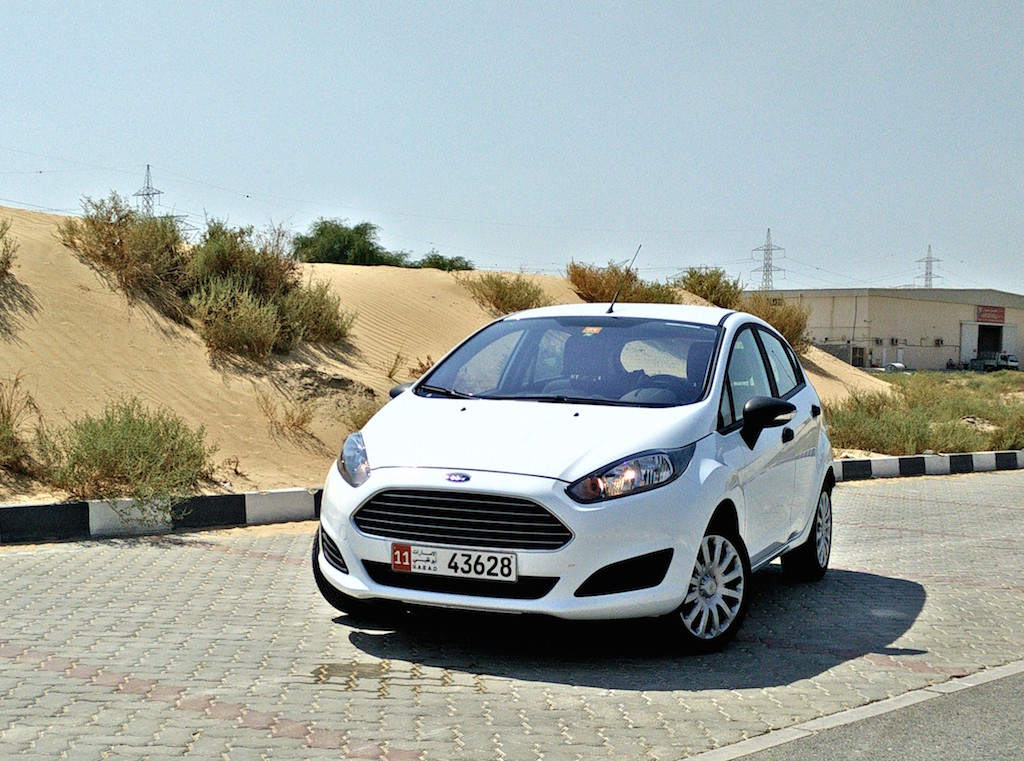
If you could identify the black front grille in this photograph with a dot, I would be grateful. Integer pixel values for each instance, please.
(461, 520)
(524, 588)
(331, 552)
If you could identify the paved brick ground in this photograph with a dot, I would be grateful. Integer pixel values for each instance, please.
(216, 645)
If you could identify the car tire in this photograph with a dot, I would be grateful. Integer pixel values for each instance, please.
(335, 598)
(716, 596)
(809, 561)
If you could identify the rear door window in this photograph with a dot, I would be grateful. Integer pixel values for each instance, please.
(782, 363)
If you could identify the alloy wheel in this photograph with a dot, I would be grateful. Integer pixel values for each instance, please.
(714, 597)
(823, 529)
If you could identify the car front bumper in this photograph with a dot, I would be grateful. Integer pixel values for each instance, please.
(647, 540)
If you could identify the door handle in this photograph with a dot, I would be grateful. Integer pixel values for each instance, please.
(815, 410)
(787, 435)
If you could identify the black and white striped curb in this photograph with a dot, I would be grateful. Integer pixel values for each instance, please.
(66, 521)
(927, 465)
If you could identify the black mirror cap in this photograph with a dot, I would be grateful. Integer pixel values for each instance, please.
(400, 389)
(764, 412)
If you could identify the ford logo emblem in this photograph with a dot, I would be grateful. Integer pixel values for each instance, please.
(457, 478)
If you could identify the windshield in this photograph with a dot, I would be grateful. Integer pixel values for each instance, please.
(589, 360)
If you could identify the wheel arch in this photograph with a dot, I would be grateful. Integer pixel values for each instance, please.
(726, 519)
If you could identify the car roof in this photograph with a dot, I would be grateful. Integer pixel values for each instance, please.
(700, 315)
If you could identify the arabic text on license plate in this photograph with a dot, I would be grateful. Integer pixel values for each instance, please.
(442, 561)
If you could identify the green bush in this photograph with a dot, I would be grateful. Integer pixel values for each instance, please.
(711, 284)
(437, 261)
(600, 284)
(127, 451)
(334, 242)
(502, 294)
(8, 248)
(789, 319)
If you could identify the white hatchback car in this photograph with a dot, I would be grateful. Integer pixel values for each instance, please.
(586, 462)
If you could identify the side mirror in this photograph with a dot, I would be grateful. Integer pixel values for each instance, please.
(764, 412)
(400, 389)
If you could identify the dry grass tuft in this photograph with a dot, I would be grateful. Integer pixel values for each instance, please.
(16, 408)
(421, 367)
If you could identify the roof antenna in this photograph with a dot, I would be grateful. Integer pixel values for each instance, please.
(616, 296)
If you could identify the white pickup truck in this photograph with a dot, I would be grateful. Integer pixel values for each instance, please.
(1002, 361)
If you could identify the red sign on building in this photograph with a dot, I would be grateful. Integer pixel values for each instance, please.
(992, 314)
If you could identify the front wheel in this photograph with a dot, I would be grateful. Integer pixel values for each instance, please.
(809, 561)
(716, 596)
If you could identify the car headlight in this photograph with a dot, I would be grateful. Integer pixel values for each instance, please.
(352, 462)
(641, 472)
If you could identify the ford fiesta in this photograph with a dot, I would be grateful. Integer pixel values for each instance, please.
(587, 462)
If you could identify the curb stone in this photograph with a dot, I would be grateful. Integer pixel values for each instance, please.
(70, 521)
(927, 465)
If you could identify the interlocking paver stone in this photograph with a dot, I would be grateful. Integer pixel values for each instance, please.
(217, 645)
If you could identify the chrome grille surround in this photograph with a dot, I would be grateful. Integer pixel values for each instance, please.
(461, 519)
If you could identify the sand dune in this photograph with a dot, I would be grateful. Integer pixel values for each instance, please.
(77, 343)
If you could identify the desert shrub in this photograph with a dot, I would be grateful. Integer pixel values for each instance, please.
(437, 261)
(600, 284)
(711, 284)
(16, 407)
(232, 318)
(244, 288)
(100, 235)
(502, 294)
(313, 313)
(127, 451)
(249, 297)
(334, 242)
(789, 319)
(258, 260)
(145, 255)
(8, 248)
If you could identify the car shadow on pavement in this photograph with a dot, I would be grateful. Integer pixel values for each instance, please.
(792, 632)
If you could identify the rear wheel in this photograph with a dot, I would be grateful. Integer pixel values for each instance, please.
(716, 595)
(809, 561)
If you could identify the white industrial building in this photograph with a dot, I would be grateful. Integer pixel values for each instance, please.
(923, 328)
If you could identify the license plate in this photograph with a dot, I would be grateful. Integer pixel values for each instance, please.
(442, 561)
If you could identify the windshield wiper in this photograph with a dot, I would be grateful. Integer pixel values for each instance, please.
(562, 399)
(448, 393)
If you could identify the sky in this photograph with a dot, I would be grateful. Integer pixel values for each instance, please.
(526, 135)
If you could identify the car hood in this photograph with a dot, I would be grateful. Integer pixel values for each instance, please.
(553, 440)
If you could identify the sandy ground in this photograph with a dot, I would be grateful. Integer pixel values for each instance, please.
(78, 343)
